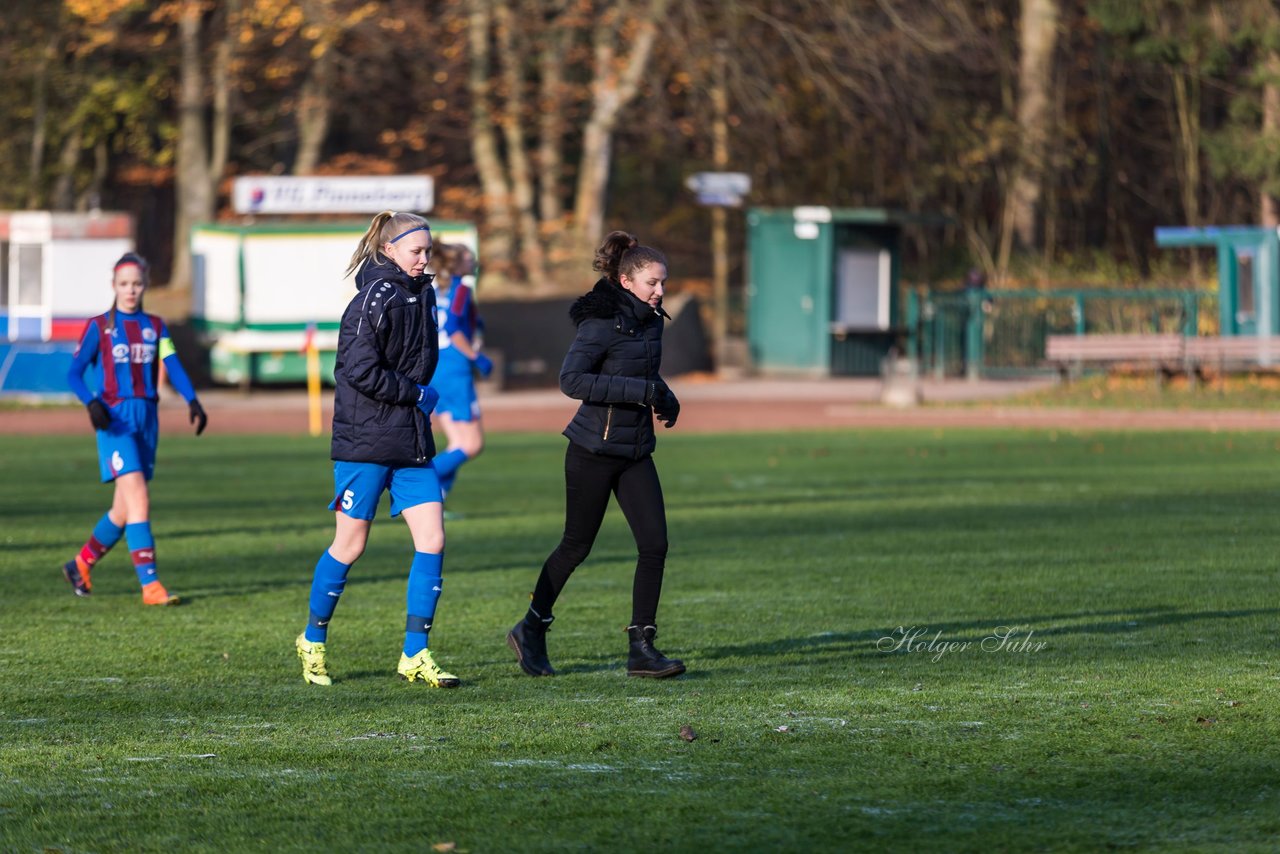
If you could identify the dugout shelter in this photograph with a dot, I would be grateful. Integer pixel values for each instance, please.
(1248, 274)
(823, 289)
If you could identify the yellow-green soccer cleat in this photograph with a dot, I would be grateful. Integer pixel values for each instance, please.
(422, 667)
(312, 656)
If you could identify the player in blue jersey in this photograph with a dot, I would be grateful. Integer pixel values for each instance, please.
(124, 348)
(387, 351)
(458, 409)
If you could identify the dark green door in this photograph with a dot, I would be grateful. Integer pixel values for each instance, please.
(789, 292)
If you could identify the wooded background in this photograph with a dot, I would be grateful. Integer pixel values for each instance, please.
(1054, 134)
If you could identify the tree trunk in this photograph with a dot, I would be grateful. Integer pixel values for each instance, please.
(313, 116)
(39, 125)
(222, 97)
(1053, 175)
(91, 198)
(1038, 37)
(191, 178)
(719, 216)
(1186, 118)
(615, 84)
(1186, 138)
(560, 258)
(551, 125)
(64, 188)
(314, 105)
(497, 240)
(509, 55)
(1269, 213)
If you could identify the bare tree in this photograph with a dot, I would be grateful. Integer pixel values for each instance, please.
(498, 239)
(313, 112)
(40, 122)
(1269, 207)
(521, 95)
(202, 150)
(1038, 38)
(617, 71)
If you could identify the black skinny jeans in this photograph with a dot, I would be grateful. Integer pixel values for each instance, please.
(589, 479)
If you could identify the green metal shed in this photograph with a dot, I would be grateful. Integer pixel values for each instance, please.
(1248, 274)
(822, 288)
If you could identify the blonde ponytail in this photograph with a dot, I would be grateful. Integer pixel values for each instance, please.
(383, 228)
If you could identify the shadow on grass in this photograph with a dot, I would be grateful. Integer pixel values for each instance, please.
(863, 643)
(304, 564)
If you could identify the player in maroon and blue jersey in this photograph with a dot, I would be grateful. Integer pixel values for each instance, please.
(124, 349)
(458, 410)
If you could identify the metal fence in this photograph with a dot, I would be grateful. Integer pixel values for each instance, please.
(1002, 333)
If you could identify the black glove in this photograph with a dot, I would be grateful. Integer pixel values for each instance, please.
(198, 417)
(654, 392)
(99, 414)
(667, 408)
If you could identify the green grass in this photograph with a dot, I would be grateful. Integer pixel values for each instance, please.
(1145, 564)
(1146, 391)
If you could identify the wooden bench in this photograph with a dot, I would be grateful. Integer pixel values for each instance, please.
(1222, 352)
(1164, 352)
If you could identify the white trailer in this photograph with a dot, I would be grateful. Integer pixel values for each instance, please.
(257, 288)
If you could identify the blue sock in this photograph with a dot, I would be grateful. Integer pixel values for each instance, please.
(447, 463)
(424, 592)
(106, 532)
(326, 586)
(446, 483)
(142, 548)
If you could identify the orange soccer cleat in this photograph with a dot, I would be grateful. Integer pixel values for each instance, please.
(155, 594)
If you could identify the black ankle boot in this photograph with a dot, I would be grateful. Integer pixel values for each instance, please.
(644, 660)
(529, 641)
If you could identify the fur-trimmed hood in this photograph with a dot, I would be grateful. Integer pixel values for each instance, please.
(613, 367)
(608, 299)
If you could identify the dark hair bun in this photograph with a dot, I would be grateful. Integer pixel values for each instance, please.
(610, 252)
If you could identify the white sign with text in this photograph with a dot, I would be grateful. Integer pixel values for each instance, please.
(276, 194)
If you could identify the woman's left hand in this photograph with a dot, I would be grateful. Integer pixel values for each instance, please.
(667, 407)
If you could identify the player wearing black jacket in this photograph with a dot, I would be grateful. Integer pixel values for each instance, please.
(613, 368)
(387, 351)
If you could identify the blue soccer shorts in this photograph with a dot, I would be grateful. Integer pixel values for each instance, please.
(129, 445)
(357, 488)
(457, 389)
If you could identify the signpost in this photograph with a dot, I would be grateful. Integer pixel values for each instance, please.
(720, 190)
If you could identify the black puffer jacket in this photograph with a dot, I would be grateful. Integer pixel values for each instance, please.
(387, 347)
(610, 366)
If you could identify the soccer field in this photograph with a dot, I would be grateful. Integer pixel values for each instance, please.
(962, 640)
